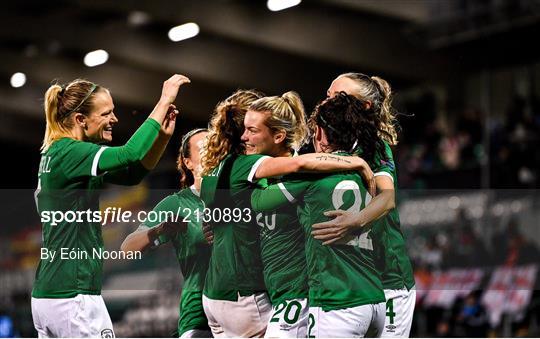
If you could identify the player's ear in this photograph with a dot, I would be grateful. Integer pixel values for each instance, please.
(80, 120)
(279, 137)
(318, 133)
(189, 164)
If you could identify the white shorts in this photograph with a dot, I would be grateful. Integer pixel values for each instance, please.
(78, 317)
(289, 319)
(399, 312)
(354, 322)
(246, 317)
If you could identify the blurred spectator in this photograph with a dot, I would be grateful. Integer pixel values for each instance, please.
(6, 326)
(472, 320)
(514, 156)
(468, 250)
(512, 248)
(433, 254)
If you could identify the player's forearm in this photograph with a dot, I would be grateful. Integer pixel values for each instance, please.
(134, 150)
(324, 162)
(309, 163)
(151, 158)
(137, 241)
(279, 166)
(160, 111)
(378, 207)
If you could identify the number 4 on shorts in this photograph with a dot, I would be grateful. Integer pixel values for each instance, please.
(390, 311)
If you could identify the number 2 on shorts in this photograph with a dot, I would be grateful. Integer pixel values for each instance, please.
(311, 324)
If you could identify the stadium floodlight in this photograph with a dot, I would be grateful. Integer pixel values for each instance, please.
(183, 32)
(278, 5)
(138, 18)
(18, 79)
(96, 58)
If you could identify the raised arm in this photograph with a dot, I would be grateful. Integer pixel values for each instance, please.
(145, 145)
(151, 158)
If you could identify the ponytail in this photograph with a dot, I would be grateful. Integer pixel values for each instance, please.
(285, 113)
(60, 102)
(300, 133)
(379, 93)
(55, 128)
(386, 116)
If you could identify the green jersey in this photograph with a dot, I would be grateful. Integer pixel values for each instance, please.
(282, 253)
(394, 263)
(192, 251)
(67, 181)
(235, 265)
(341, 275)
(71, 172)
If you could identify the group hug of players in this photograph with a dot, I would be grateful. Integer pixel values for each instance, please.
(311, 247)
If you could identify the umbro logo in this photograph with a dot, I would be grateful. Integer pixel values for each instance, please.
(107, 333)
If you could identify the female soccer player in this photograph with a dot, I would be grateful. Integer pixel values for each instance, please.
(345, 291)
(192, 250)
(397, 273)
(276, 126)
(234, 299)
(66, 300)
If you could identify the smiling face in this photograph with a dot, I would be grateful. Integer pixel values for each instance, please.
(100, 121)
(258, 137)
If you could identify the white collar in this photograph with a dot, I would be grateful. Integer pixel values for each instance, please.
(194, 190)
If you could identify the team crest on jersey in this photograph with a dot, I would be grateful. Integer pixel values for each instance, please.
(107, 333)
(391, 328)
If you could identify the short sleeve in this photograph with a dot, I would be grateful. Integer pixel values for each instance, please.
(246, 166)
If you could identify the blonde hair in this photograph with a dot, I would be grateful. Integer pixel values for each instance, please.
(226, 128)
(379, 93)
(286, 113)
(60, 103)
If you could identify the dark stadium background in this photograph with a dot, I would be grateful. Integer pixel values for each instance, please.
(466, 79)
